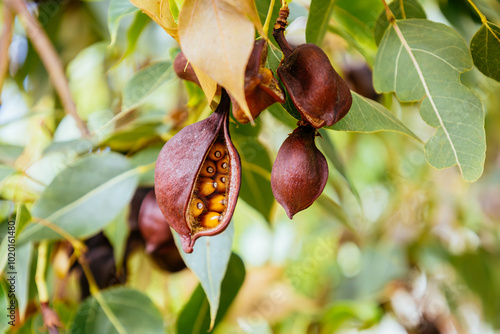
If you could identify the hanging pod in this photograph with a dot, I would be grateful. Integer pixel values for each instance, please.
(187, 177)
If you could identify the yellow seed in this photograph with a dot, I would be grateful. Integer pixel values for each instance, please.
(208, 168)
(197, 207)
(217, 152)
(221, 180)
(217, 203)
(206, 186)
(223, 165)
(211, 219)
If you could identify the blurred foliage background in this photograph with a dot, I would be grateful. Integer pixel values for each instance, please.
(392, 245)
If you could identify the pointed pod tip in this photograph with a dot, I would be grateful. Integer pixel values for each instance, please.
(187, 244)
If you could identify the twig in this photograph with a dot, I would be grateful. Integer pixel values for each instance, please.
(268, 19)
(50, 59)
(388, 13)
(5, 40)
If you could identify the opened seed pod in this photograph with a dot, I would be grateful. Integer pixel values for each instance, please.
(300, 171)
(186, 177)
(318, 92)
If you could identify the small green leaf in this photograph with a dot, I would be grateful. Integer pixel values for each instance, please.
(209, 262)
(83, 198)
(195, 316)
(125, 311)
(412, 9)
(117, 10)
(317, 22)
(255, 175)
(369, 116)
(485, 49)
(145, 82)
(417, 68)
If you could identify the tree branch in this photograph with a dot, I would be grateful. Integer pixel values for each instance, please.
(50, 59)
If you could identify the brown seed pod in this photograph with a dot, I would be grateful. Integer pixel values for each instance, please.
(261, 88)
(318, 92)
(156, 233)
(300, 171)
(184, 70)
(178, 181)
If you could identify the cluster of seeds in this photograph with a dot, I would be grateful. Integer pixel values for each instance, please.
(209, 198)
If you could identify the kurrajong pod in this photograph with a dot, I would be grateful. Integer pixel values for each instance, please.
(318, 92)
(299, 172)
(261, 87)
(179, 186)
(184, 70)
(156, 233)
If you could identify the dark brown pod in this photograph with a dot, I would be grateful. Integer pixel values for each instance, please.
(158, 239)
(300, 171)
(178, 181)
(318, 92)
(184, 70)
(261, 87)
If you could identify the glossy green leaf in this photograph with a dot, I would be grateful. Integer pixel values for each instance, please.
(255, 175)
(125, 311)
(485, 49)
(410, 9)
(262, 9)
(22, 217)
(317, 22)
(195, 316)
(117, 10)
(84, 198)
(145, 82)
(209, 262)
(369, 116)
(417, 68)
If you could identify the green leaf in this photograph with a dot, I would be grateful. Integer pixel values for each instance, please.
(10, 153)
(317, 22)
(5, 171)
(146, 157)
(140, 22)
(22, 218)
(412, 9)
(416, 68)
(117, 234)
(331, 153)
(209, 262)
(255, 175)
(117, 10)
(369, 116)
(145, 82)
(262, 8)
(125, 311)
(23, 256)
(195, 316)
(485, 49)
(84, 198)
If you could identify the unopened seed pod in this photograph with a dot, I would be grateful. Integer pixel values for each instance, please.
(178, 180)
(300, 171)
(261, 88)
(318, 92)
